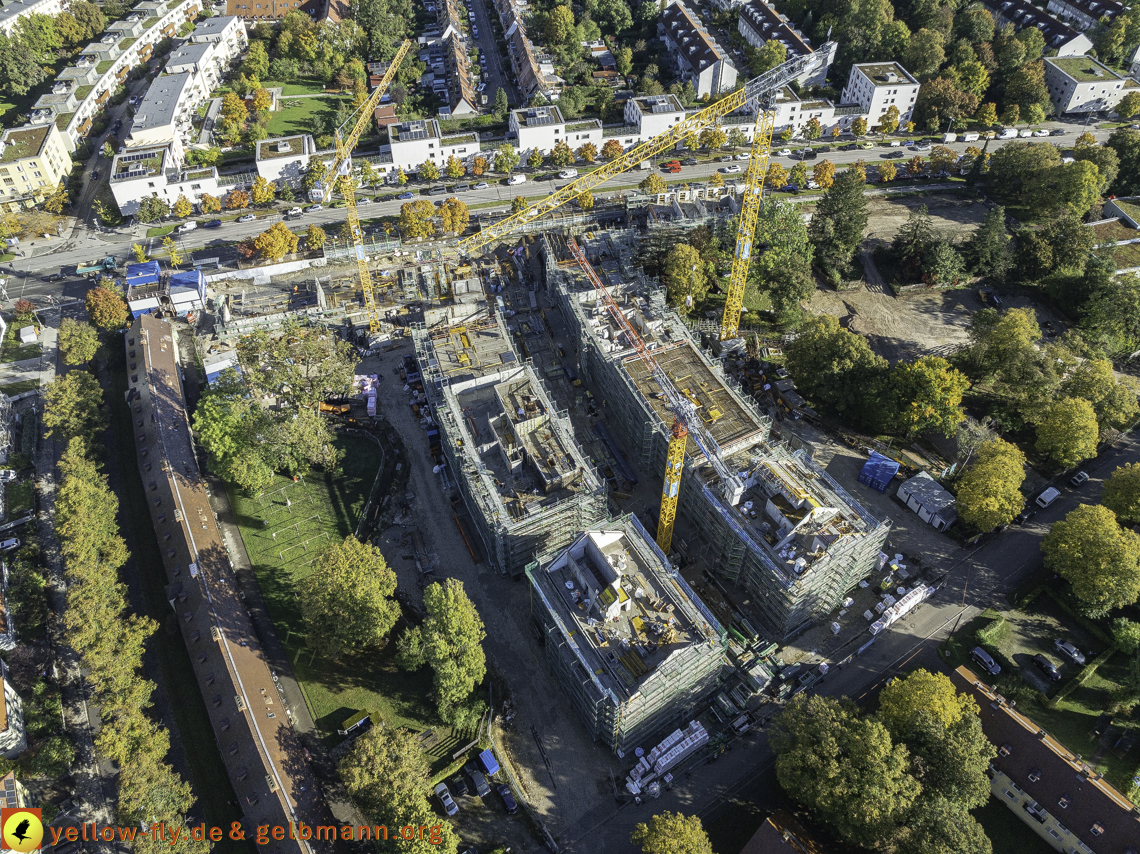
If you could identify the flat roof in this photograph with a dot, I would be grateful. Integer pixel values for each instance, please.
(193, 52)
(1083, 69)
(413, 130)
(533, 117)
(878, 71)
(24, 142)
(658, 104)
(213, 26)
(284, 146)
(137, 163)
(161, 101)
(613, 590)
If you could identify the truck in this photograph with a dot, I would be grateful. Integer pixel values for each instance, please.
(96, 268)
(949, 137)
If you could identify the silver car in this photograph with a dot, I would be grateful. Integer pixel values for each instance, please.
(445, 798)
(1068, 649)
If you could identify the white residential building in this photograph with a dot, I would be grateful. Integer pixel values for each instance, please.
(878, 86)
(544, 127)
(653, 114)
(415, 142)
(12, 10)
(285, 157)
(141, 172)
(33, 160)
(699, 58)
(759, 23)
(1081, 84)
(1085, 14)
(1062, 38)
(165, 111)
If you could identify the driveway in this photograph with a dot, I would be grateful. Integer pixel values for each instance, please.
(496, 76)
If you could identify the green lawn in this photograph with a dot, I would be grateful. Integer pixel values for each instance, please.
(298, 114)
(14, 351)
(323, 508)
(19, 387)
(20, 497)
(160, 230)
(208, 775)
(300, 87)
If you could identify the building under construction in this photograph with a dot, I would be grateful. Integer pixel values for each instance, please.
(631, 644)
(785, 530)
(524, 478)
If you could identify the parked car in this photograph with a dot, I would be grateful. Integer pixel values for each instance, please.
(407, 194)
(482, 185)
(186, 226)
(54, 277)
(248, 218)
(985, 660)
(1048, 667)
(95, 175)
(461, 188)
(790, 188)
(1068, 649)
(784, 152)
(894, 143)
(1048, 496)
(508, 798)
(460, 785)
(8, 545)
(1024, 516)
(214, 223)
(689, 162)
(1079, 478)
(726, 159)
(744, 155)
(478, 781)
(568, 173)
(474, 30)
(445, 798)
(1041, 133)
(7, 475)
(294, 212)
(363, 200)
(314, 208)
(516, 179)
(671, 166)
(1057, 132)
(896, 155)
(848, 147)
(730, 169)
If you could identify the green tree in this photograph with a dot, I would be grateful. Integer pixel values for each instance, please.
(256, 62)
(989, 491)
(920, 698)
(315, 237)
(301, 367)
(714, 138)
(859, 126)
(347, 602)
(1126, 634)
(561, 155)
(672, 833)
(152, 791)
(560, 25)
(1068, 432)
(73, 408)
(227, 423)
(106, 308)
(276, 242)
(846, 769)
(152, 209)
(501, 107)
(428, 171)
(1129, 105)
(454, 215)
(1113, 400)
(737, 139)
(925, 53)
(451, 639)
(416, 219)
(1122, 492)
(986, 114)
(929, 393)
(840, 217)
(535, 158)
(624, 60)
(783, 271)
(585, 200)
(518, 204)
(685, 277)
(454, 167)
(315, 173)
(988, 249)
(1099, 558)
(889, 120)
(1126, 143)
(998, 340)
(506, 158)
(388, 776)
(941, 826)
(78, 341)
(771, 55)
(836, 370)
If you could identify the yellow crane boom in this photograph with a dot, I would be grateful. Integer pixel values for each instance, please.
(746, 222)
(322, 191)
(755, 92)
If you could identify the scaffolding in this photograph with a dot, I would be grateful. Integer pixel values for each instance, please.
(514, 523)
(740, 548)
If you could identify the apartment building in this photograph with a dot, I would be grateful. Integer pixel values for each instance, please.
(653, 114)
(699, 58)
(269, 10)
(226, 31)
(415, 142)
(1085, 14)
(13, 735)
(1052, 791)
(461, 97)
(33, 160)
(83, 89)
(12, 10)
(285, 158)
(1081, 84)
(878, 86)
(631, 644)
(543, 128)
(1060, 37)
(759, 23)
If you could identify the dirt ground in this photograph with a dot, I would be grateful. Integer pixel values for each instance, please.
(919, 323)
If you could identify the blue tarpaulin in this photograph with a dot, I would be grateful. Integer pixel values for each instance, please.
(190, 279)
(142, 274)
(878, 471)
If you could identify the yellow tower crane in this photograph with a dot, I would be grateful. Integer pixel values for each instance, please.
(342, 166)
(671, 488)
(757, 92)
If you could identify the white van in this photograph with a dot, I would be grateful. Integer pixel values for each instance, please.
(1008, 133)
(517, 179)
(187, 226)
(1047, 497)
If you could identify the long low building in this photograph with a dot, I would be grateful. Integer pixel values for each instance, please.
(263, 757)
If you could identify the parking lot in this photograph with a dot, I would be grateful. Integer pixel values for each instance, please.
(1033, 632)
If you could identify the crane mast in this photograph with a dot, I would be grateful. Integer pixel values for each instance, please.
(684, 414)
(755, 92)
(342, 166)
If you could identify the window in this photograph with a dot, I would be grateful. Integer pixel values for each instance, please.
(1009, 794)
(1097, 829)
(9, 181)
(1053, 833)
(1063, 803)
(1034, 775)
(37, 174)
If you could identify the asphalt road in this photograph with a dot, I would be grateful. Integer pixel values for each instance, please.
(26, 275)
